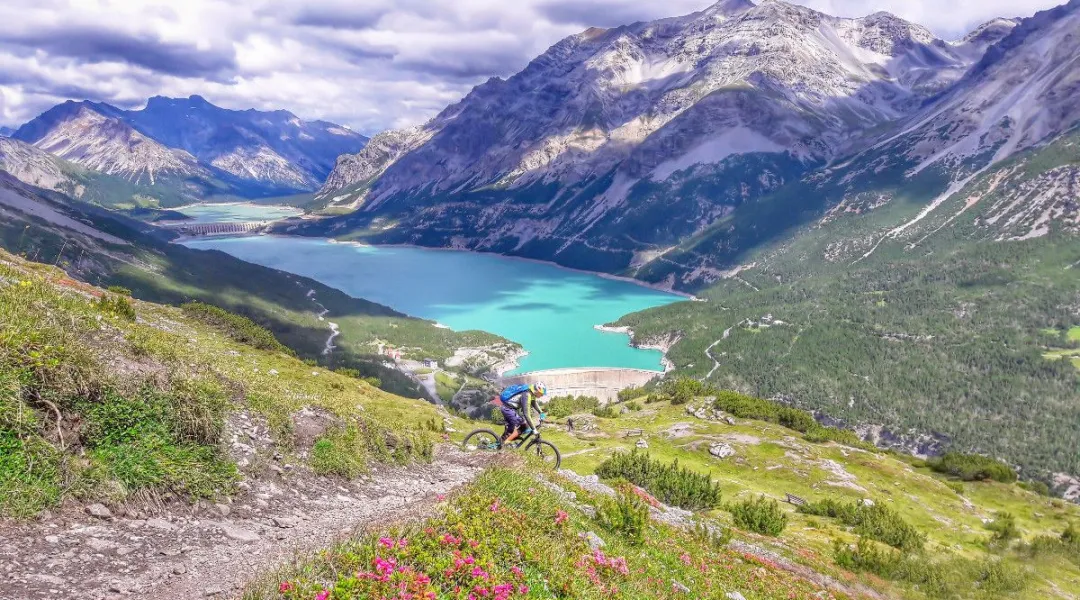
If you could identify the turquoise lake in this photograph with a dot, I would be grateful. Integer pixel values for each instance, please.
(236, 213)
(549, 310)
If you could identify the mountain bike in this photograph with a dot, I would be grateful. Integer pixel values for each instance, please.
(486, 440)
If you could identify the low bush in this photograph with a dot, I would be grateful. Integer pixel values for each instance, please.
(711, 535)
(972, 467)
(669, 482)
(120, 306)
(633, 406)
(942, 578)
(760, 515)
(239, 328)
(119, 290)
(626, 514)
(820, 434)
(606, 412)
(748, 407)
(1004, 528)
(561, 407)
(339, 452)
(1066, 545)
(1037, 487)
(877, 522)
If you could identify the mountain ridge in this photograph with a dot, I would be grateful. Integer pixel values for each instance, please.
(247, 152)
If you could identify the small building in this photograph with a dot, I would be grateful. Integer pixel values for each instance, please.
(431, 363)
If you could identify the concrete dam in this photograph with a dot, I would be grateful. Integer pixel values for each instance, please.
(600, 382)
(215, 228)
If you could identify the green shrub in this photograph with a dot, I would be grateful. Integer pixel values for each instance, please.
(634, 406)
(972, 467)
(681, 390)
(1038, 487)
(760, 515)
(1004, 528)
(630, 393)
(561, 407)
(119, 290)
(238, 328)
(340, 452)
(877, 522)
(748, 407)
(626, 514)
(998, 577)
(819, 434)
(669, 482)
(714, 536)
(120, 306)
(956, 486)
(606, 412)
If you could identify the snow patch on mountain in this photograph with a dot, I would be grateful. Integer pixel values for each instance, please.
(738, 140)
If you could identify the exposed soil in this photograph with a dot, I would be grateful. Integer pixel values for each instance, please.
(212, 550)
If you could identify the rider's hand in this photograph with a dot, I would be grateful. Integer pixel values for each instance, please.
(543, 416)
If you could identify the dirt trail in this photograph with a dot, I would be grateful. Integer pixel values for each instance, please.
(211, 551)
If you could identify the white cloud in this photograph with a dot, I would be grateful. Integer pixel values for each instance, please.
(370, 64)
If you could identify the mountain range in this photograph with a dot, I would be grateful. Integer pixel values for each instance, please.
(193, 146)
(617, 146)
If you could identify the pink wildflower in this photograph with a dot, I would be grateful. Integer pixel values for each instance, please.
(685, 558)
(284, 587)
(561, 517)
(323, 595)
(523, 589)
(495, 505)
(386, 542)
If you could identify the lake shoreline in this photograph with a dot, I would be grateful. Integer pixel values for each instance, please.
(610, 276)
(509, 364)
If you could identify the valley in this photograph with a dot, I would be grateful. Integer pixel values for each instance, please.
(804, 290)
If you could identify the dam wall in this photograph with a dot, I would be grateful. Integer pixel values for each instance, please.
(601, 382)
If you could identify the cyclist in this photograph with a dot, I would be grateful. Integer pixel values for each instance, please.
(515, 403)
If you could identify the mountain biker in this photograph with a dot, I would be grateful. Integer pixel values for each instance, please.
(515, 403)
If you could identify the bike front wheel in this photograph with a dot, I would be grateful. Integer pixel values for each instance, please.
(547, 452)
(481, 440)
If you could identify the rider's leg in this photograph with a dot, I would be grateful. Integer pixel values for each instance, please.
(513, 424)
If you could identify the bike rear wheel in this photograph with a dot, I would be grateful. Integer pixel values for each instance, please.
(481, 440)
(547, 453)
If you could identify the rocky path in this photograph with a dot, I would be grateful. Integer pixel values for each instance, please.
(211, 550)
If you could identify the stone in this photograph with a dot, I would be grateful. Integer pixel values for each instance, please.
(595, 542)
(285, 522)
(214, 591)
(734, 596)
(179, 570)
(721, 450)
(678, 587)
(866, 502)
(239, 533)
(642, 443)
(52, 539)
(100, 545)
(161, 524)
(99, 511)
(729, 421)
(223, 509)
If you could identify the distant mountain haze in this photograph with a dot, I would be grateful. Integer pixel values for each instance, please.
(247, 152)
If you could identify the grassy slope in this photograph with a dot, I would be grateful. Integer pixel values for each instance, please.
(167, 273)
(942, 333)
(522, 531)
(144, 403)
(776, 461)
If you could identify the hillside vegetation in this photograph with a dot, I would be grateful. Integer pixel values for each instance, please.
(297, 310)
(954, 339)
(103, 397)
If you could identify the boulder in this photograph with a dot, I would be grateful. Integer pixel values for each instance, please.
(595, 542)
(99, 511)
(721, 450)
(642, 443)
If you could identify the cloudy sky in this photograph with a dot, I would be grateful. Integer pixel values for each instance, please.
(369, 64)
